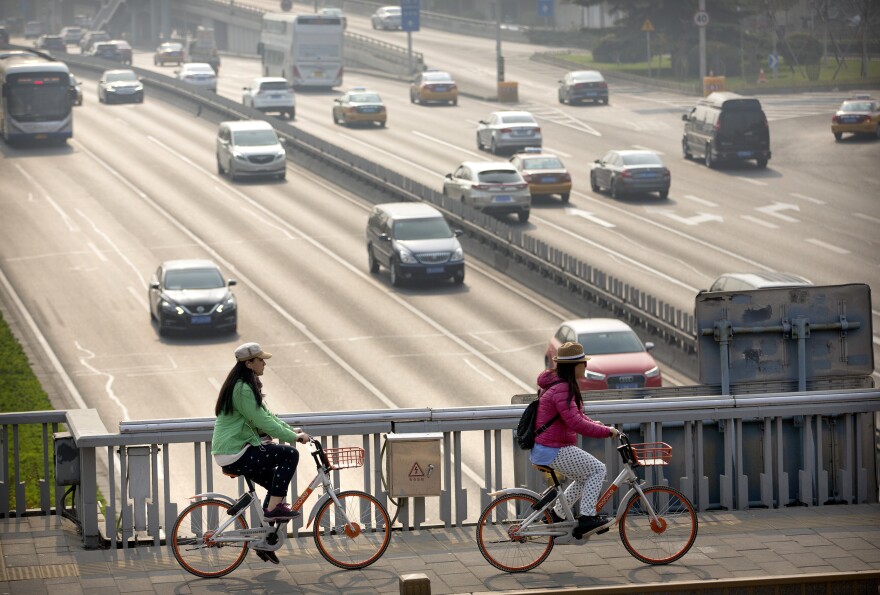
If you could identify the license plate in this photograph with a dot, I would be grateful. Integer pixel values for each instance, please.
(548, 180)
(743, 153)
(434, 270)
(850, 120)
(41, 136)
(649, 174)
(503, 198)
(591, 93)
(201, 320)
(367, 110)
(440, 89)
(276, 97)
(628, 385)
(318, 74)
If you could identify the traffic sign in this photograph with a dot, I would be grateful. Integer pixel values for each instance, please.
(409, 14)
(545, 8)
(701, 18)
(648, 26)
(773, 61)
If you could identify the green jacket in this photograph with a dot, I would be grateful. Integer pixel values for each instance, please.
(243, 426)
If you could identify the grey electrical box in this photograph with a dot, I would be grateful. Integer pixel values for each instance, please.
(66, 459)
(413, 464)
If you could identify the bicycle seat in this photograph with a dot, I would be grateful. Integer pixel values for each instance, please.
(543, 468)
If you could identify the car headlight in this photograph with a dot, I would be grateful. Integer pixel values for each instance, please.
(406, 257)
(239, 156)
(227, 305)
(595, 376)
(170, 308)
(280, 155)
(655, 371)
(457, 255)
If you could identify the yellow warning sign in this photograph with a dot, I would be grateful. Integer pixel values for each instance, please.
(648, 26)
(416, 473)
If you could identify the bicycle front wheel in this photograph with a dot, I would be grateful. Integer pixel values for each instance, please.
(497, 535)
(362, 540)
(192, 544)
(666, 538)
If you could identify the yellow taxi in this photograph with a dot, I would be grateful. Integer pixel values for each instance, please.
(545, 173)
(858, 115)
(433, 86)
(359, 105)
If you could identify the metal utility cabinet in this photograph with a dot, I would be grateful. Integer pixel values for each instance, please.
(413, 464)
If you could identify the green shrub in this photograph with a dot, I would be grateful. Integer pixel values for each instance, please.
(801, 48)
(616, 49)
(721, 60)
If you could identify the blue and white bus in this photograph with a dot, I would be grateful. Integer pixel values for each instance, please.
(306, 49)
(35, 99)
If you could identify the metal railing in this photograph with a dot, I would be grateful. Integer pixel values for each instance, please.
(731, 452)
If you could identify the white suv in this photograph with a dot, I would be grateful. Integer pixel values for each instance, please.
(492, 187)
(250, 148)
(271, 94)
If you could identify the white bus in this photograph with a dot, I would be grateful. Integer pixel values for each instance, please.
(35, 98)
(305, 49)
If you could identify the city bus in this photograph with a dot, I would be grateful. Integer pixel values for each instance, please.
(35, 99)
(305, 49)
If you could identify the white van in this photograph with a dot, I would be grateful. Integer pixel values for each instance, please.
(250, 148)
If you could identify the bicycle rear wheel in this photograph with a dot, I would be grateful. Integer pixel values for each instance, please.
(354, 545)
(497, 538)
(192, 545)
(665, 540)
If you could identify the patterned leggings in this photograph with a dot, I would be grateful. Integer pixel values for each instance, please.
(587, 473)
(269, 465)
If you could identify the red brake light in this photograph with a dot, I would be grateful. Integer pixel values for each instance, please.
(480, 187)
(626, 174)
(527, 177)
(505, 131)
(566, 177)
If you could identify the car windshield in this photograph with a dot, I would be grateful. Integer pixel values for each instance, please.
(434, 77)
(434, 228)
(586, 77)
(366, 98)
(856, 106)
(274, 86)
(499, 176)
(641, 159)
(518, 119)
(254, 138)
(542, 163)
(393, 11)
(171, 47)
(193, 279)
(114, 77)
(199, 70)
(610, 342)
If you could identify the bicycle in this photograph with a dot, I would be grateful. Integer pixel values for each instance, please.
(352, 529)
(657, 524)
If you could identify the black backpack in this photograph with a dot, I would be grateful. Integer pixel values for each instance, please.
(526, 432)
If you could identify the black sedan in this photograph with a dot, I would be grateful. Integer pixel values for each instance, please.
(623, 172)
(189, 295)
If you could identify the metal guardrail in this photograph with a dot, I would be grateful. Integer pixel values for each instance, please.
(731, 452)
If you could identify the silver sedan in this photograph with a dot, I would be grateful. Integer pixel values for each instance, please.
(509, 130)
(492, 187)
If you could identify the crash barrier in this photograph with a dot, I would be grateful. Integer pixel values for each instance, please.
(730, 452)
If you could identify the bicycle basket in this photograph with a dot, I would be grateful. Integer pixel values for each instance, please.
(345, 457)
(649, 454)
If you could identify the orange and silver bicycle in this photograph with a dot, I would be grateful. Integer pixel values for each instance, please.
(657, 524)
(352, 529)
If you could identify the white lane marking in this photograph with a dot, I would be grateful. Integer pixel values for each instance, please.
(97, 252)
(866, 217)
(139, 298)
(773, 211)
(478, 371)
(760, 221)
(692, 220)
(702, 201)
(616, 254)
(557, 152)
(64, 216)
(215, 384)
(389, 154)
(751, 181)
(108, 386)
(355, 271)
(446, 144)
(807, 198)
(588, 216)
(116, 248)
(827, 246)
(484, 341)
(642, 148)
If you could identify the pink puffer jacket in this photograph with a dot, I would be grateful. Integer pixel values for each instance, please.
(572, 421)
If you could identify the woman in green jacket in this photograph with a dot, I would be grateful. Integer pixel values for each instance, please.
(243, 432)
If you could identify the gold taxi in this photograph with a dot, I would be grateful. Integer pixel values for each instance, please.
(359, 105)
(859, 115)
(545, 173)
(432, 86)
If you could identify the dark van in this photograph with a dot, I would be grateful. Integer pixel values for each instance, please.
(726, 127)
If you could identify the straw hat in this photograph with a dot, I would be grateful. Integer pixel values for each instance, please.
(570, 353)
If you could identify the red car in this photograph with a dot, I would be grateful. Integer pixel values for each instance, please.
(618, 358)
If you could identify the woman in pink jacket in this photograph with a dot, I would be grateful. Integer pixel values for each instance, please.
(561, 400)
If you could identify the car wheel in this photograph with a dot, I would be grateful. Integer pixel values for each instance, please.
(479, 143)
(282, 176)
(762, 163)
(604, 101)
(231, 172)
(614, 192)
(839, 135)
(219, 166)
(707, 158)
(493, 148)
(565, 196)
(877, 131)
(594, 185)
(664, 194)
(685, 151)
(459, 278)
(395, 275)
(382, 124)
(524, 216)
(371, 261)
(455, 102)
(233, 329)
(561, 100)
(412, 97)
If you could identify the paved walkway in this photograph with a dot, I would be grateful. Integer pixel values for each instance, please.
(37, 555)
